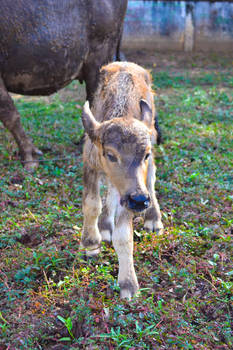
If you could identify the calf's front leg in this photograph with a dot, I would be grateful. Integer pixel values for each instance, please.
(123, 243)
(92, 206)
(107, 218)
(153, 215)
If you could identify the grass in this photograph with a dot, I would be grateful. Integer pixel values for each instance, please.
(51, 298)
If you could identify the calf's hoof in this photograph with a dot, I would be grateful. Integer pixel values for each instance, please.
(92, 252)
(154, 226)
(91, 247)
(106, 236)
(128, 289)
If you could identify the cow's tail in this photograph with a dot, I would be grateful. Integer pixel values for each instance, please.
(119, 56)
(157, 128)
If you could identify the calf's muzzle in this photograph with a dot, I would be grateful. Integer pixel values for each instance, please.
(136, 202)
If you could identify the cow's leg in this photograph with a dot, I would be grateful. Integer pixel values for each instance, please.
(92, 205)
(153, 215)
(11, 120)
(123, 243)
(107, 218)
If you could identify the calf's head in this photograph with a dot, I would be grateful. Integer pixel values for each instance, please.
(124, 150)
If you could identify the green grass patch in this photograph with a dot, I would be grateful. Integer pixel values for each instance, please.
(52, 298)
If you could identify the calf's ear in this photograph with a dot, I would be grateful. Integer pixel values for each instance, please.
(146, 113)
(90, 124)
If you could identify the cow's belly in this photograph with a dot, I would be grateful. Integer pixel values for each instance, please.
(42, 48)
(43, 74)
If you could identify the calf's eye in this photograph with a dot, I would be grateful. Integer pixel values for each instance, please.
(112, 158)
(147, 156)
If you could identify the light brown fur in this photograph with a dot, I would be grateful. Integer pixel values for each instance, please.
(120, 134)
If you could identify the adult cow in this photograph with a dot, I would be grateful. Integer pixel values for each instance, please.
(45, 44)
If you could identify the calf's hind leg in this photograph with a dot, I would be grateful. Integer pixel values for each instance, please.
(92, 205)
(153, 215)
(11, 119)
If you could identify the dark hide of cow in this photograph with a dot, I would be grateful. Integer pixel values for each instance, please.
(44, 45)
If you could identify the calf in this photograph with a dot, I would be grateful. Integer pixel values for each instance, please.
(118, 146)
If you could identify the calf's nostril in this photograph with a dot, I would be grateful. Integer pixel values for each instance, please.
(138, 202)
(147, 203)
